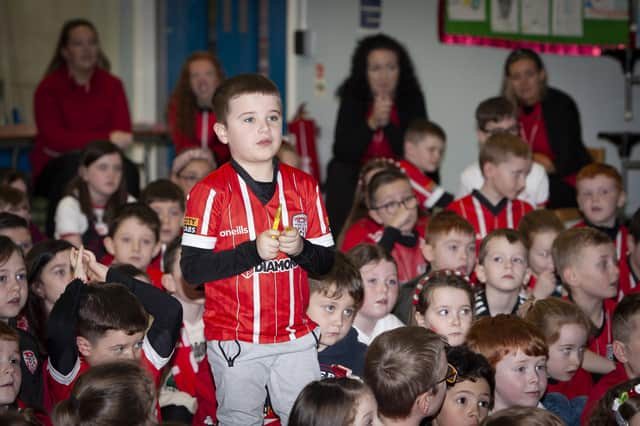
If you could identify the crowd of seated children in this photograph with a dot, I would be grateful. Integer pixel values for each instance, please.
(424, 145)
(380, 282)
(393, 206)
(539, 229)
(566, 329)
(498, 115)
(17, 229)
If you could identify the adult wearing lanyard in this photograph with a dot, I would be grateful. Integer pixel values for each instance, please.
(549, 123)
(191, 114)
(77, 102)
(378, 100)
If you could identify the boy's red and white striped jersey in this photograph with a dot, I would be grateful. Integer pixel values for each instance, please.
(267, 303)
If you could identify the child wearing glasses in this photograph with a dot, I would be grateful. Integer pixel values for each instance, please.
(393, 209)
(505, 161)
(407, 371)
(518, 353)
(498, 115)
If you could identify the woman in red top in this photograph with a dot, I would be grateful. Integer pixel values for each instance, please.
(191, 115)
(377, 101)
(549, 122)
(77, 102)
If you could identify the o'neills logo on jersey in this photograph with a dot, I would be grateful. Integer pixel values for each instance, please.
(269, 266)
(238, 230)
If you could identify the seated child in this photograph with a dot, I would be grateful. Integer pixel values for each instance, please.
(15, 179)
(517, 353)
(626, 336)
(443, 304)
(16, 201)
(288, 155)
(407, 371)
(470, 396)
(380, 282)
(9, 366)
(254, 229)
(505, 161)
(168, 201)
(600, 195)
(619, 406)
(499, 115)
(523, 416)
(92, 324)
(566, 329)
(334, 301)
(114, 393)
(49, 270)
(585, 259)
(82, 215)
(188, 392)
(450, 243)
(502, 267)
(336, 401)
(632, 281)
(16, 228)
(190, 166)
(539, 229)
(134, 238)
(393, 206)
(423, 151)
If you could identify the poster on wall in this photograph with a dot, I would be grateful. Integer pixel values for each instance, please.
(567, 18)
(370, 14)
(504, 16)
(534, 17)
(606, 9)
(466, 10)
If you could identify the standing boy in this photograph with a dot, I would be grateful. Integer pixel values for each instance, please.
(252, 230)
(498, 115)
(505, 161)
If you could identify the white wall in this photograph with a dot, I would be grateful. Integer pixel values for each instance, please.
(455, 79)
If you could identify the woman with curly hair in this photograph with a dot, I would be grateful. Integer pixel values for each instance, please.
(377, 101)
(191, 114)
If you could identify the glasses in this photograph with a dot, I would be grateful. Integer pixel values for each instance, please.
(392, 206)
(451, 377)
(513, 130)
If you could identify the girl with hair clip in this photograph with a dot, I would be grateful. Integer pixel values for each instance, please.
(566, 330)
(49, 270)
(393, 213)
(378, 100)
(620, 406)
(443, 303)
(191, 115)
(92, 197)
(335, 402)
(380, 282)
(116, 393)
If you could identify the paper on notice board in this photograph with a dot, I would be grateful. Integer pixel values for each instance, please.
(504, 16)
(567, 18)
(466, 10)
(534, 17)
(606, 9)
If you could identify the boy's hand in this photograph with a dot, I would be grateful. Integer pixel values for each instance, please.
(545, 285)
(291, 242)
(77, 260)
(268, 245)
(95, 271)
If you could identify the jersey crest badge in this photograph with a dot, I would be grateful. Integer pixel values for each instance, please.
(30, 360)
(299, 221)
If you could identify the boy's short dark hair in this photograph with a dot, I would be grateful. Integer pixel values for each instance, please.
(343, 277)
(494, 109)
(163, 190)
(11, 221)
(511, 235)
(400, 365)
(109, 306)
(538, 221)
(240, 85)
(420, 128)
(500, 147)
(568, 245)
(623, 321)
(445, 222)
(470, 366)
(170, 254)
(10, 196)
(634, 226)
(140, 211)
